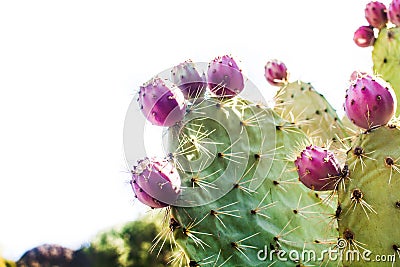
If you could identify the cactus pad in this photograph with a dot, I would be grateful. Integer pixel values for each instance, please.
(243, 150)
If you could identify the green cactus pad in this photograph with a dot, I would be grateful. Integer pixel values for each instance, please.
(370, 200)
(351, 129)
(386, 58)
(300, 103)
(263, 208)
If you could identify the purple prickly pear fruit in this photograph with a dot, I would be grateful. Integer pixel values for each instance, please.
(356, 74)
(225, 79)
(376, 14)
(368, 103)
(145, 198)
(276, 72)
(318, 168)
(158, 179)
(186, 77)
(364, 36)
(394, 12)
(162, 104)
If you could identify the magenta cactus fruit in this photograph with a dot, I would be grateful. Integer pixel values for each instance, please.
(364, 36)
(225, 79)
(394, 12)
(156, 182)
(368, 103)
(161, 102)
(318, 168)
(145, 198)
(188, 79)
(356, 74)
(376, 14)
(276, 72)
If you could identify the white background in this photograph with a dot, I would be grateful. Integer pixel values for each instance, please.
(69, 70)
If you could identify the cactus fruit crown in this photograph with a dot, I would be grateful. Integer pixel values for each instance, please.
(188, 79)
(224, 77)
(161, 102)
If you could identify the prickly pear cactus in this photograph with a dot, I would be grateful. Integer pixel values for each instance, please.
(385, 55)
(298, 102)
(384, 36)
(243, 202)
(314, 115)
(370, 199)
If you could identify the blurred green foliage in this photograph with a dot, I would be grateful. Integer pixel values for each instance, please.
(6, 263)
(127, 246)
